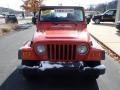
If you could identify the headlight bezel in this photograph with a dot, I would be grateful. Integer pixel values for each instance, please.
(81, 46)
(40, 46)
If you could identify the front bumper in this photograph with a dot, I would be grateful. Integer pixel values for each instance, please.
(76, 68)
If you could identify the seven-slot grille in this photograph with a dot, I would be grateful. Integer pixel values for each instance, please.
(61, 52)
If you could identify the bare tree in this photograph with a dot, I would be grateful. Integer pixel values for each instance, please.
(112, 5)
(101, 7)
(105, 6)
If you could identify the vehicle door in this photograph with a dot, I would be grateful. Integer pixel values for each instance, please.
(109, 16)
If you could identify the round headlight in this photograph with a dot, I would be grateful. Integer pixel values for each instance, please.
(82, 49)
(40, 49)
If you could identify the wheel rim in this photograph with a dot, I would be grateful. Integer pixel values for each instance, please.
(97, 21)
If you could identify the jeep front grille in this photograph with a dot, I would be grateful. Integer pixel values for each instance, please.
(61, 52)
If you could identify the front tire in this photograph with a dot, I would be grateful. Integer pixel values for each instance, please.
(92, 64)
(30, 75)
(97, 21)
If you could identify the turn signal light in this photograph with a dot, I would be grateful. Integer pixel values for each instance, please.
(26, 54)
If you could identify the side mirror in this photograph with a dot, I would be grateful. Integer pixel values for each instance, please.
(87, 20)
(34, 20)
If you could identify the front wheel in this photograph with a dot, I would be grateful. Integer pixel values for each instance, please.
(97, 21)
(92, 64)
(30, 74)
(91, 77)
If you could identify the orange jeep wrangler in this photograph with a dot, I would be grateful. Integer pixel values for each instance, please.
(61, 43)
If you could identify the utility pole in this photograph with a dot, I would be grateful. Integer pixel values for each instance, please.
(118, 12)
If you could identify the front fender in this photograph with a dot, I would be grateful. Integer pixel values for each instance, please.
(26, 52)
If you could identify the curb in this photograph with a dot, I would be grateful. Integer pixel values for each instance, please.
(105, 45)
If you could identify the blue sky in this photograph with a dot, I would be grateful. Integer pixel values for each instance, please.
(15, 4)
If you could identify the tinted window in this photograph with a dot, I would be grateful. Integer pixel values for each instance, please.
(12, 16)
(111, 12)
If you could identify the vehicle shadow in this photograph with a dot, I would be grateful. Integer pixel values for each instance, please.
(105, 24)
(16, 82)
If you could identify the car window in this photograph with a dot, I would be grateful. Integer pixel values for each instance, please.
(11, 16)
(111, 12)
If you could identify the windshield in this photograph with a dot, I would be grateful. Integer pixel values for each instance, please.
(59, 15)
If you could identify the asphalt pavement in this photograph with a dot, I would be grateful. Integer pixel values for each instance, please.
(11, 79)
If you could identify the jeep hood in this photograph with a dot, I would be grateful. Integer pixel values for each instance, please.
(62, 35)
